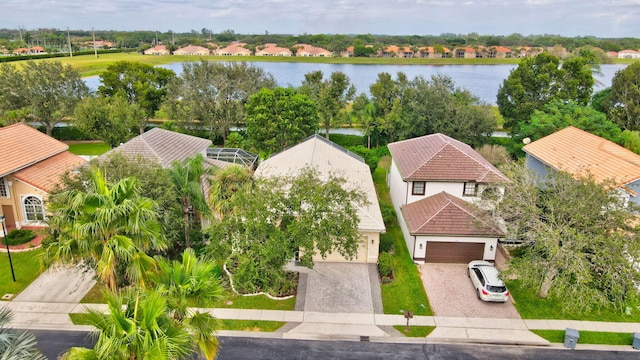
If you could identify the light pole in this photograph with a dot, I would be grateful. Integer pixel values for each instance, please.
(6, 241)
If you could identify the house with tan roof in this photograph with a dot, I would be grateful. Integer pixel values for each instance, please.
(157, 50)
(192, 50)
(437, 185)
(272, 49)
(312, 51)
(31, 167)
(467, 52)
(233, 49)
(584, 154)
(330, 159)
(431, 52)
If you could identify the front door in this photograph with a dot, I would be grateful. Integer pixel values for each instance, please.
(10, 220)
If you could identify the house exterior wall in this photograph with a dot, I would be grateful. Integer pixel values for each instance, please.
(17, 192)
(490, 245)
(408, 238)
(397, 187)
(368, 250)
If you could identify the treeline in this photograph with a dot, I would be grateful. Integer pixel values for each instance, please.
(333, 42)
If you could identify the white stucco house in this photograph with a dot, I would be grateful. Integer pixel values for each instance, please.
(329, 159)
(436, 185)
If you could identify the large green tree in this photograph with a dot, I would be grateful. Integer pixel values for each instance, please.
(330, 95)
(213, 95)
(539, 80)
(46, 92)
(277, 217)
(625, 97)
(279, 118)
(141, 84)
(110, 226)
(558, 115)
(108, 119)
(579, 243)
(190, 177)
(16, 344)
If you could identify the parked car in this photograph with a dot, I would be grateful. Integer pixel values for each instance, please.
(486, 280)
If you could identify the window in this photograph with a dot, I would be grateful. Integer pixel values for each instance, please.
(4, 189)
(470, 189)
(418, 188)
(33, 209)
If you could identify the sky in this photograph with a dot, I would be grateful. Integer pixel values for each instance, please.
(600, 18)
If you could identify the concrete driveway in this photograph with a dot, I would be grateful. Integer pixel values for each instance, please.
(451, 294)
(339, 288)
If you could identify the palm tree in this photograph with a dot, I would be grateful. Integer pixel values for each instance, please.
(226, 184)
(15, 344)
(189, 177)
(108, 226)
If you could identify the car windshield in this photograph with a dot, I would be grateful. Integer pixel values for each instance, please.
(496, 289)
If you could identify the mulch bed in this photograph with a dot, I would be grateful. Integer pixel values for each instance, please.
(31, 245)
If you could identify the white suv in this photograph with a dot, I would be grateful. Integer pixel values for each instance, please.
(486, 280)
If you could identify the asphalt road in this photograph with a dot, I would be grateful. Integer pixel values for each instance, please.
(53, 343)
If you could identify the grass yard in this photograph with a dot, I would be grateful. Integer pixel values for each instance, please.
(92, 148)
(406, 292)
(250, 325)
(257, 302)
(27, 266)
(94, 296)
(531, 307)
(415, 331)
(588, 337)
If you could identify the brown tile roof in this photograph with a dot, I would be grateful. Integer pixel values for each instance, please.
(445, 214)
(163, 146)
(23, 146)
(437, 157)
(580, 153)
(191, 49)
(45, 175)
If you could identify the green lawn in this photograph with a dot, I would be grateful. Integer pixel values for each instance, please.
(415, 331)
(97, 148)
(258, 302)
(27, 266)
(531, 307)
(94, 296)
(406, 292)
(588, 337)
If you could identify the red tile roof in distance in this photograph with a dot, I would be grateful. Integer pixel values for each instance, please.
(445, 214)
(23, 146)
(438, 157)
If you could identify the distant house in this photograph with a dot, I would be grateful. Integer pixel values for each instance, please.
(157, 50)
(192, 50)
(582, 154)
(234, 49)
(436, 183)
(499, 52)
(271, 49)
(628, 54)
(328, 158)
(397, 51)
(466, 53)
(430, 52)
(527, 51)
(348, 52)
(31, 167)
(312, 51)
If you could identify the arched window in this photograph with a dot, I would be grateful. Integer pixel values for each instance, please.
(33, 209)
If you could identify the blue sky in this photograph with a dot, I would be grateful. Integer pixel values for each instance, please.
(613, 18)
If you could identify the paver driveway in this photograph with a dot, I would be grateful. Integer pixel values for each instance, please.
(451, 293)
(342, 288)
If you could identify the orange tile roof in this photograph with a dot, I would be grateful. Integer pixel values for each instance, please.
(445, 214)
(580, 153)
(23, 146)
(438, 157)
(45, 175)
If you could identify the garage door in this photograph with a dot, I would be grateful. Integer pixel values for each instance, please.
(454, 252)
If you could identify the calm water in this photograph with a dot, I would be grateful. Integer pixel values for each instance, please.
(481, 80)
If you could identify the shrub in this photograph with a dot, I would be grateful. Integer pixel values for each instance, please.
(386, 243)
(388, 213)
(347, 140)
(17, 237)
(385, 266)
(495, 154)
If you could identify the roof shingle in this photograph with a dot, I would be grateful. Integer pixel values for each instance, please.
(445, 214)
(46, 174)
(23, 146)
(437, 157)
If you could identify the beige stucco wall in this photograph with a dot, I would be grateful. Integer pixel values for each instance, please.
(17, 191)
(368, 250)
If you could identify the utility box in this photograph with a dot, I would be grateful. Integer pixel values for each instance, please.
(636, 341)
(571, 337)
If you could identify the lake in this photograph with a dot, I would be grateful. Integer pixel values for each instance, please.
(481, 80)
